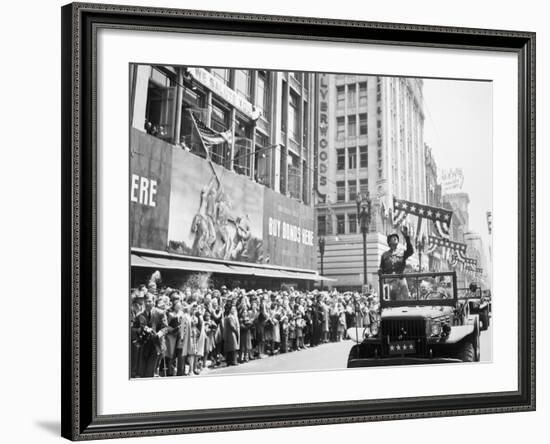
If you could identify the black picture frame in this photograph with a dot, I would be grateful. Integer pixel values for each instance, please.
(80, 22)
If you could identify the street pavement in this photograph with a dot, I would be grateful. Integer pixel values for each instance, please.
(330, 356)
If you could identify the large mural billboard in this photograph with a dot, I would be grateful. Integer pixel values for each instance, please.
(211, 212)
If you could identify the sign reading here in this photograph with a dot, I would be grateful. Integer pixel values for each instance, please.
(143, 190)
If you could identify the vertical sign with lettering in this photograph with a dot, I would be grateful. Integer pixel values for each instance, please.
(322, 137)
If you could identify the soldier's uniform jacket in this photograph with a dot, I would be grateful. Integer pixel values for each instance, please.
(394, 262)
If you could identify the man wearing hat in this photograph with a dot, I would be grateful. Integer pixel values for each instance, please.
(393, 261)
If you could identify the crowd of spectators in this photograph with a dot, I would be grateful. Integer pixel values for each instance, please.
(180, 332)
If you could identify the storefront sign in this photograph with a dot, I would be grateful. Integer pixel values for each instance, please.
(323, 136)
(219, 88)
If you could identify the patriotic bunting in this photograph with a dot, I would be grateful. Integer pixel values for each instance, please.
(439, 216)
(458, 247)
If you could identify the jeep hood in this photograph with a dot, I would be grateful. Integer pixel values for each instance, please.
(426, 312)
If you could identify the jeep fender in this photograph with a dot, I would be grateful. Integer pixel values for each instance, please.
(459, 332)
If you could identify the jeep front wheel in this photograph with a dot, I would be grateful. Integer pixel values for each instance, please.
(466, 353)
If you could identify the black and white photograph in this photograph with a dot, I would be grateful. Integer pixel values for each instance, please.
(302, 221)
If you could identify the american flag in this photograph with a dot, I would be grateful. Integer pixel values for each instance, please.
(209, 136)
(439, 216)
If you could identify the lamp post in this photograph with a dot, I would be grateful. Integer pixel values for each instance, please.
(322, 251)
(363, 215)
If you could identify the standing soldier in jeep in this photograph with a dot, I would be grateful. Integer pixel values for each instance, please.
(393, 261)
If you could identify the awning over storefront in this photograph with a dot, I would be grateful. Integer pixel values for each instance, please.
(179, 264)
(148, 260)
(256, 271)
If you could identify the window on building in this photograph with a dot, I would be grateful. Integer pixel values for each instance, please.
(352, 190)
(262, 94)
(222, 74)
(294, 116)
(321, 225)
(352, 126)
(363, 186)
(341, 191)
(340, 159)
(243, 83)
(362, 93)
(340, 97)
(352, 158)
(363, 156)
(352, 96)
(261, 160)
(340, 128)
(363, 124)
(161, 105)
(341, 224)
(352, 223)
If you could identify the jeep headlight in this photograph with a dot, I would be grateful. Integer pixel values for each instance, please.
(436, 329)
(374, 329)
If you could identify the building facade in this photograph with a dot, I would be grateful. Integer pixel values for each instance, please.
(476, 250)
(370, 142)
(221, 172)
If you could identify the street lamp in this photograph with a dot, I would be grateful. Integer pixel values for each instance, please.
(363, 215)
(322, 251)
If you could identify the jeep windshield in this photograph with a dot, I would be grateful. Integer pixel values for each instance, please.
(418, 289)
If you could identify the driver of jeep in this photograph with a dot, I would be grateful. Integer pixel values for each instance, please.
(425, 288)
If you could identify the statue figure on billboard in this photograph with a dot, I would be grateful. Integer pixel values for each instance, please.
(202, 225)
(242, 236)
(220, 234)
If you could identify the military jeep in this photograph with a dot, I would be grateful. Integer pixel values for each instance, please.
(420, 320)
(479, 303)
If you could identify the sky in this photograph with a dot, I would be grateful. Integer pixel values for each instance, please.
(458, 127)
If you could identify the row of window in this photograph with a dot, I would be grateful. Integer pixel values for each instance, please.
(351, 189)
(241, 79)
(325, 227)
(352, 157)
(351, 95)
(351, 126)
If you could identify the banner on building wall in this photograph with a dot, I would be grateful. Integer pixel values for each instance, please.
(150, 176)
(202, 209)
(323, 135)
(452, 180)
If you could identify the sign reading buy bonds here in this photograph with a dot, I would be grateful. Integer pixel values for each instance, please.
(323, 136)
(190, 206)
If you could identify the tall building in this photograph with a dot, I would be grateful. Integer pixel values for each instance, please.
(369, 141)
(221, 174)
